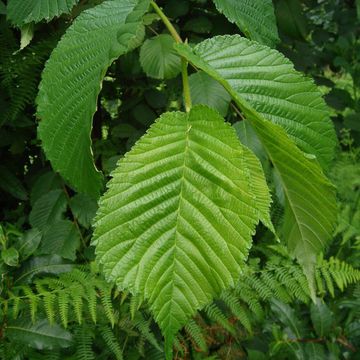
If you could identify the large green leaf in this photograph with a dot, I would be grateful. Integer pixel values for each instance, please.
(22, 12)
(71, 83)
(311, 210)
(158, 57)
(267, 81)
(255, 18)
(176, 224)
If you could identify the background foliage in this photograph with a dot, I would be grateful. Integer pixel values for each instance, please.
(54, 302)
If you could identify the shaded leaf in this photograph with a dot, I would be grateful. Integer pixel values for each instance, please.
(48, 209)
(159, 59)
(40, 335)
(101, 34)
(29, 242)
(61, 238)
(207, 91)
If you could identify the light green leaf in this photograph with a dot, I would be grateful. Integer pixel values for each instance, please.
(27, 34)
(255, 18)
(48, 209)
(176, 223)
(69, 87)
(310, 196)
(22, 12)
(10, 256)
(207, 91)
(158, 58)
(29, 242)
(62, 238)
(267, 81)
(40, 335)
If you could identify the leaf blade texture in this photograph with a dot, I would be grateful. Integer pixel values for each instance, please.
(158, 58)
(71, 83)
(267, 81)
(22, 12)
(255, 18)
(177, 220)
(311, 200)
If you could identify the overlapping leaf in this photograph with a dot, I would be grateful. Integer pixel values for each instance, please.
(176, 223)
(267, 81)
(71, 83)
(255, 18)
(22, 12)
(158, 57)
(238, 64)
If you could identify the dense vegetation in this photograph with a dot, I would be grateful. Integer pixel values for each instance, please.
(221, 234)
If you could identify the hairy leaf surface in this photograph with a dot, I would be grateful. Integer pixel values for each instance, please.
(176, 223)
(255, 18)
(311, 210)
(71, 83)
(267, 81)
(22, 12)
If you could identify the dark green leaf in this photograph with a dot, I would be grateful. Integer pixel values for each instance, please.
(48, 209)
(29, 242)
(61, 238)
(40, 335)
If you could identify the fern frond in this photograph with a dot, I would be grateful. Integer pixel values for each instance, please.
(111, 341)
(196, 334)
(84, 340)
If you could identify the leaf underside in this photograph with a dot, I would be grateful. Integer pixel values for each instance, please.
(255, 18)
(176, 223)
(311, 201)
(22, 12)
(71, 83)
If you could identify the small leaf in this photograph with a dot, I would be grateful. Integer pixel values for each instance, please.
(40, 335)
(62, 238)
(207, 91)
(10, 256)
(11, 184)
(27, 34)
(22, 12)
(322, 318)
(48, 209)
(44, 184)
(84, 209)
(159, 59)
(255, 18)
(29, 242)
